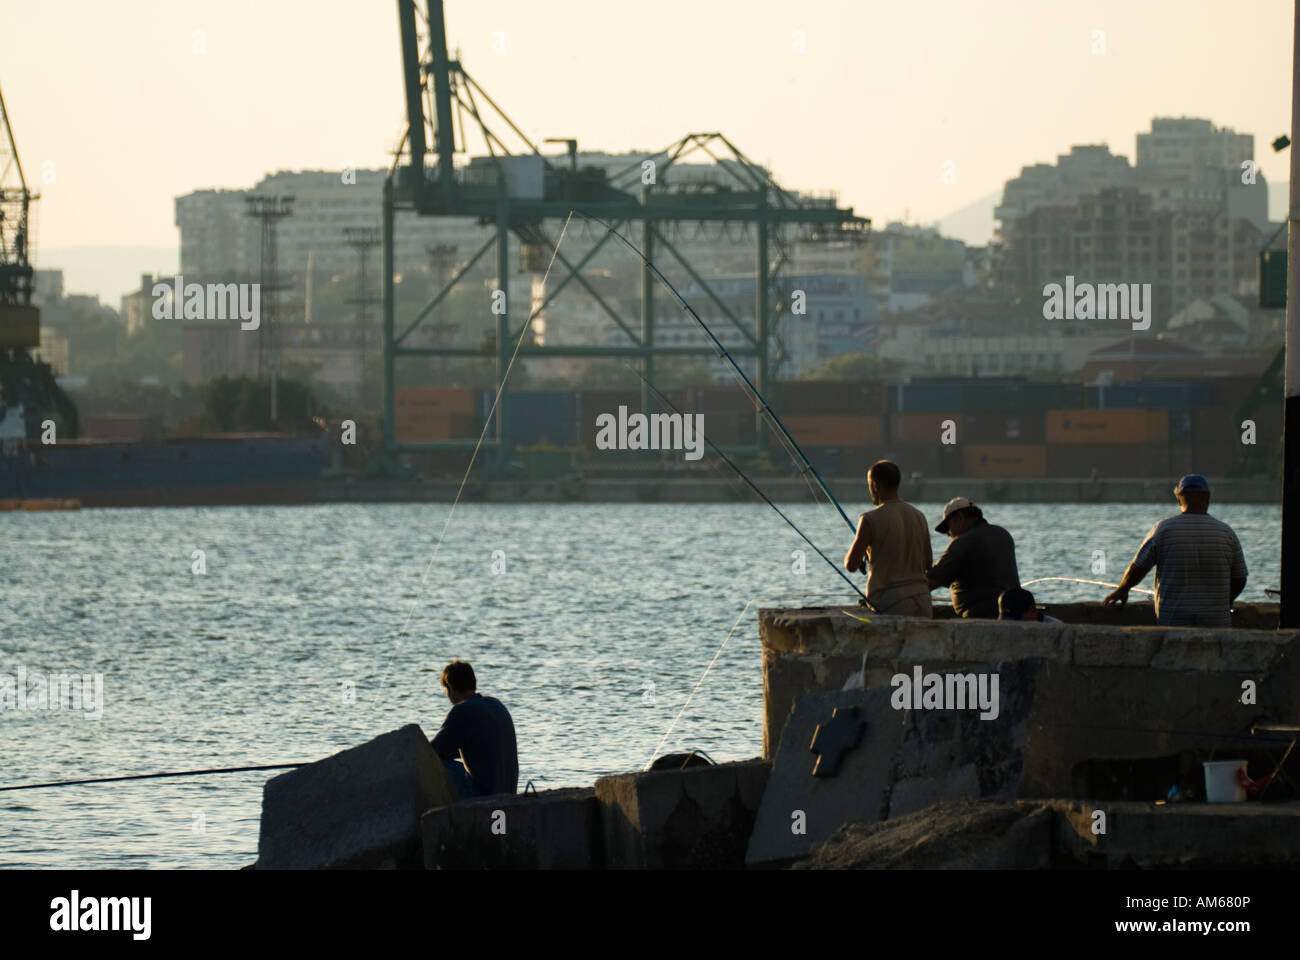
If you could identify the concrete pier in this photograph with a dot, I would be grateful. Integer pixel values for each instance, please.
(817, 649)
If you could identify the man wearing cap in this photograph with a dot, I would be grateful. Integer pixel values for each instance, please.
(979, 563)
(1199, 565)
(893, 545)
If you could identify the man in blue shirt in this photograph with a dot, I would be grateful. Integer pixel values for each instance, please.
(477, 740)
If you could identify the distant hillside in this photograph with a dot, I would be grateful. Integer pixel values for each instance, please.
(973, 223)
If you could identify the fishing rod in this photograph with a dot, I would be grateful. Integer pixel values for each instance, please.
(753, 486)
(154, 776)
(723, 352)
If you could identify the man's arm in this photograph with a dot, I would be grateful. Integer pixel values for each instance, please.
(943, 573)
(855, 559)
(1132, 577)
(447, 741)
(1237, 574)
(1145, 558)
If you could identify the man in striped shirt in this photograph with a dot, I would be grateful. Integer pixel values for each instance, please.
(1200, 569)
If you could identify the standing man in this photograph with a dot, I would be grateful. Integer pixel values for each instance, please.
(979, 563)
(479, 733)
(894, 544)
(1199, 565)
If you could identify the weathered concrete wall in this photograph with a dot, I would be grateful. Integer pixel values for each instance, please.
(1029, 834)
(548, 830)
(818, 649)
(698, 818)
(358, 809)
(1054, 725)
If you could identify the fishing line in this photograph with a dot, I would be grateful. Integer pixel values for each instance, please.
(487, 422)
(1099, 583)
(753, 486)
(155, 776)
(730, 634)
(765, 408)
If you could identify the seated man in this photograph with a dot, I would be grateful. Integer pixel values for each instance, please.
(1019, 604)
(479, 733)
(979, 563)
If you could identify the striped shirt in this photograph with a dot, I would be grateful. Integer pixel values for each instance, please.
(1196, 557)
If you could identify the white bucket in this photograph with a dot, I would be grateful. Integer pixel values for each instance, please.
(1221, 784)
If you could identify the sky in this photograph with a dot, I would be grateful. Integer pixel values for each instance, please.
(120, 107)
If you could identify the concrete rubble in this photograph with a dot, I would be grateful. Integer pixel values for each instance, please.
(1096, 716)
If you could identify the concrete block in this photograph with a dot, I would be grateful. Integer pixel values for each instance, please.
(799, 809)
(1220, 836)
(358, 809)
(698, 818)
(548, 830)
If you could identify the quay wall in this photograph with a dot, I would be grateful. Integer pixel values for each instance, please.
(782, 489)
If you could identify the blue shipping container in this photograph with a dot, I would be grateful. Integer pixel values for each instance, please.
(541, 416)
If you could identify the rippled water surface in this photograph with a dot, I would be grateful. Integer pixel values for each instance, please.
(594, 635)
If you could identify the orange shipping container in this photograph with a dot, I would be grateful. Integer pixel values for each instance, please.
(1006, 460)
(1118, 426)
(436, 399)
(834, 431)
(421, 427)
(923, 427)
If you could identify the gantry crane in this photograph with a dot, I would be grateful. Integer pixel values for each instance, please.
(439, 90)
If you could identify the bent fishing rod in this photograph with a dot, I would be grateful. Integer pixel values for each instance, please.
(753, 486)
(766, 408)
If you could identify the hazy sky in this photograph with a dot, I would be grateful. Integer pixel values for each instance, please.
(112, 100)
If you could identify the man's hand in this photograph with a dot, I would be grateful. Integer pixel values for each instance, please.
(1118, 595)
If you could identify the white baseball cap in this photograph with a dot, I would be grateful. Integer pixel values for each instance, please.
(951, 507)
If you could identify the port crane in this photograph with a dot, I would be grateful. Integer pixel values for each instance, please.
(519, 192)
(28, 391)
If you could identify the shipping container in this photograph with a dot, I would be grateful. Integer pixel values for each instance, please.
(826, 460)
(122, 427)
(1152, 394)
(1002, 428)
(1006, 460)
(710, 400)
(838, 397)
(1109, 460)
(589, 404)
(1231, 392)
(426, 426)
(541, 417)
(924, 427)
(828, 431)
(437, 399)
(733, 429)
(1107, 427)
(928, 396)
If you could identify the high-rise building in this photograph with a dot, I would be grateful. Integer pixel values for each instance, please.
(1188, 218)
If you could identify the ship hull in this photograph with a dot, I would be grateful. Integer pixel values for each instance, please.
(203, 471)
